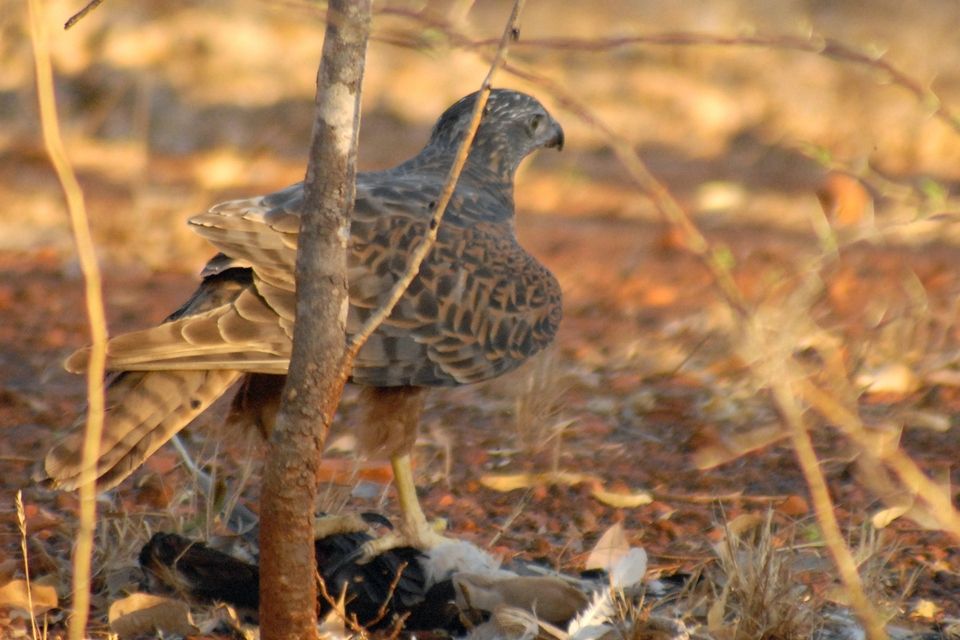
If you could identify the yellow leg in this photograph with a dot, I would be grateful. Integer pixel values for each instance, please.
(413, 530)
(407, 493)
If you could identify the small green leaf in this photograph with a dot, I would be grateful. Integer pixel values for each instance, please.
(934, 192)
(723, 257)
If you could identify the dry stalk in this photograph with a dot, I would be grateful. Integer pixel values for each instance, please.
(339, 606)
(722, 273)
(537, 407)
(80, 15)
(792, 412)
(94, 303)
(22, 525)
(910, 475)
(419, 254)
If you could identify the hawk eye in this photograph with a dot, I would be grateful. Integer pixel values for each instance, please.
(536, 121)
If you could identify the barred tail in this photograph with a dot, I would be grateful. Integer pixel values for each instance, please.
(144, 410)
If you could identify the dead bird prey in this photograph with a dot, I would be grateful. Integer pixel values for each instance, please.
(450, 588)
(479, 307)
(389, 590)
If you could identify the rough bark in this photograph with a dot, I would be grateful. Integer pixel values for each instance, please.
(287, 583)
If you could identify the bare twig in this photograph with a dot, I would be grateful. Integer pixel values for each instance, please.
(80, 15)
(823, 507)
(511, 517)
(98, 326)
(709, 498)
(938, 500)
(382, 611)
(420, 252)
(338, 607)
(822, 46)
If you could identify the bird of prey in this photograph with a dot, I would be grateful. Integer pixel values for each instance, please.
(479, 306)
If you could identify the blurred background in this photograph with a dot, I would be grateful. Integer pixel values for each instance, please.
(828, 190)
(169, 107)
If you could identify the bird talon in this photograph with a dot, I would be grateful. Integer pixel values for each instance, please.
(329, 524)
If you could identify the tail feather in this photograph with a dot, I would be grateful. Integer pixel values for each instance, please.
(243, 327)
(144, 410)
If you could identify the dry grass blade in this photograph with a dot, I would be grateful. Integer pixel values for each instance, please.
(94, 303)
(22, 525)
(781, 387)
(537, 409)
(827, 47)
(761, 591)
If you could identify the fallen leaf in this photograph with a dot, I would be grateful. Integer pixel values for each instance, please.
(894, 377)
(884, 517)
(943, 377)
(926, 610)
(610, 548)
(935, 421)
(621, 500)
(744, 523)
(142, 613)
(14, 595)
(719, 195)
(793, 506)
(903, 503)
(512, 482)
(715, 449)
(845, 200)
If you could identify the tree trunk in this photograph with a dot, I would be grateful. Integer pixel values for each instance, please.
(287, 580)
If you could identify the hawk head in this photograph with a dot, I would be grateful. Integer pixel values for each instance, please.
(514, 125)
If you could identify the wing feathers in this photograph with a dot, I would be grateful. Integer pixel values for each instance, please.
(144, 410)
(246, 330)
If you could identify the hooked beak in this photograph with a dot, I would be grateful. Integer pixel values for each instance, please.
(556, 138)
